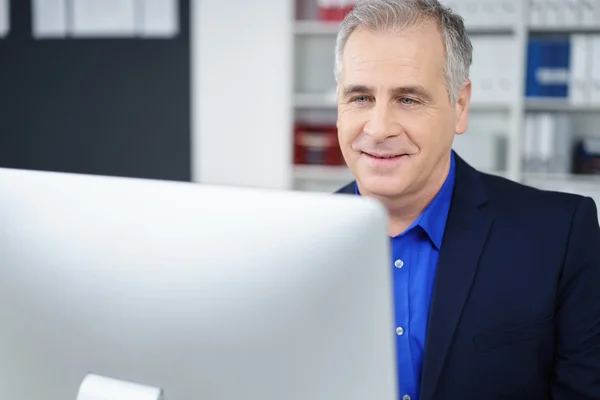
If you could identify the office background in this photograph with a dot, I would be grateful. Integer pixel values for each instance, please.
(241, 93)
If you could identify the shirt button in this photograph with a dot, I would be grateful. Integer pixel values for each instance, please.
(399, 331)
(398, 263)
(406, 397)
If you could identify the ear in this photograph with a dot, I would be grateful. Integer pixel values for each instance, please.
(337, 99)
(461, 109)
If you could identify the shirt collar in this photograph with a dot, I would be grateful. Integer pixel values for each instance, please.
(433, 219)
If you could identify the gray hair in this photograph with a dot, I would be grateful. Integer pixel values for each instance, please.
(381, 15)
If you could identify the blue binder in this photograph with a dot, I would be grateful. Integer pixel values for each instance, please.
(548, 64)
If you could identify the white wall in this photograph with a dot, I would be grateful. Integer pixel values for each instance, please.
(242, 77)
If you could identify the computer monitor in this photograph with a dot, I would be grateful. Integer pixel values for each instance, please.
(205, 292)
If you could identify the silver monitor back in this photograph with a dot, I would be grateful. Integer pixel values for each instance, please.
(209, 293)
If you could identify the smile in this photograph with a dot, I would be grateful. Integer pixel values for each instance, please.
(383, 162)
(383, 157)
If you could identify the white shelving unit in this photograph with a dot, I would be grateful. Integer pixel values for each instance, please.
(559, 105)
(314, 98)
(316, 28)
(314, 101)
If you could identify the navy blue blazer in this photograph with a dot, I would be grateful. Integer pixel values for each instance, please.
(515, 312)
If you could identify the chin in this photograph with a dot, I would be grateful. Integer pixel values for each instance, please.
(382, 186)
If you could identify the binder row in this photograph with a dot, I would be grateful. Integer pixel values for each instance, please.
(552, 147)
(541, 13)
(59, 19)
(564, 13)
(486, 13)
(334, 10)
(566, 67)
(548, 143)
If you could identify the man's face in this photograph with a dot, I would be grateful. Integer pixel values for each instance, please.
(396, 123)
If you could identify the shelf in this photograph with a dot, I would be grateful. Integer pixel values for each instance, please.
(489, 107)
(558, 105)
(558, 30)
(315, 100)
(490, 30)
(309, 27)
(583, 185)
(322, 173)
(562, 180)
(316, 28)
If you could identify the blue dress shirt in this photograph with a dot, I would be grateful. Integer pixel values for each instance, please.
(415, 254)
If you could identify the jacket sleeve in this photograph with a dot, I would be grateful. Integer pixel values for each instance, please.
(576, 373)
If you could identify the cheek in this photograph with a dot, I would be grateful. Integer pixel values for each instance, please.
(426, 131)
(349, 127)
(417, 129)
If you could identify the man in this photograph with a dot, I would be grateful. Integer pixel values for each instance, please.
(497, 285)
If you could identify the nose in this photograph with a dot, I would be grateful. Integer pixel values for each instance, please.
(381, 124)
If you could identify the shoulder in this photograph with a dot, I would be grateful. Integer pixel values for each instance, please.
(530, 203)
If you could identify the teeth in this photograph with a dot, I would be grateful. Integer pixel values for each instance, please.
(382, 157)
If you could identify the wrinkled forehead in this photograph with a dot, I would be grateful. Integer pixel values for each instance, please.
(415, 54)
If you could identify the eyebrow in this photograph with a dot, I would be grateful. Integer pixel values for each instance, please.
(356, 89)
(416, 90)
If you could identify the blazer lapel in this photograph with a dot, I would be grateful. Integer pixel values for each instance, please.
(464, 240)
(348, 189)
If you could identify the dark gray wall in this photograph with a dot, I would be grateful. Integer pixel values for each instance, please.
(118, 107)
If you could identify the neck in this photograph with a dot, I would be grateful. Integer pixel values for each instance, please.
(404, 209)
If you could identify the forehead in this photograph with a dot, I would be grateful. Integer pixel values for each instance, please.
(413, 54)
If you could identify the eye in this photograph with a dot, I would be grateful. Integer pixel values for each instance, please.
(407, 101)
(360, 99)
